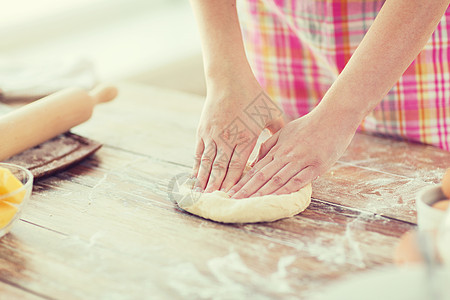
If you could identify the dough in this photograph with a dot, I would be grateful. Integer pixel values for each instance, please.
(218, 206)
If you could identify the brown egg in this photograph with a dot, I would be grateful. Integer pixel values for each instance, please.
(446, 183)
(442, 205)
(407, 251)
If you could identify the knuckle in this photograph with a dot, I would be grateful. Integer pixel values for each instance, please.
(277, 180)
(236, 187)
(286, 152)
(226, 134)
(297, 181)
(252, 172)
(211, 152)
(198, 157)
(260, 176)
(235, 164)
(216, 175)
(243, 192)
(206, 159)
(317, 162)
(222, 158)
(244, 137)
(219, 166)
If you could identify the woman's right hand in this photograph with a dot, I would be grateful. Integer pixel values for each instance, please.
(234, 114)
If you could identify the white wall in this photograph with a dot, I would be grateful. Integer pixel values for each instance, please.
(140, 40)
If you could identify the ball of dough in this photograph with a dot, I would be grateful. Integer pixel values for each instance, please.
(219, 206)
(446, 183)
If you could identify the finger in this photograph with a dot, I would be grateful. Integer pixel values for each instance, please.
(278, 180)
(276, 125)
(255, 169)
(205, 166)
(218, 170)
(259, 179)
(298, 181)
(198, 157)
(236, 167)
(267, 146)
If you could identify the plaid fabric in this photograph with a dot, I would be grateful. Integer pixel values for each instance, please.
(297, 48)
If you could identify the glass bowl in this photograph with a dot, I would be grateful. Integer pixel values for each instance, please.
(428, 217)
(9, 202)
(444, 239)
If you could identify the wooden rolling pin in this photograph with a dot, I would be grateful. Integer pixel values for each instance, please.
(48, 117)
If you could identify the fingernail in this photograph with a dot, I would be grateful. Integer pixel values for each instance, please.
(198, 189)
(256, 195)
(231, 192)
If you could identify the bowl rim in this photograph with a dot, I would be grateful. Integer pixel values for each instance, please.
(423, 202)
(27, 184)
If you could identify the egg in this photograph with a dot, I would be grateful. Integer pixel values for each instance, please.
(442, 205)
(446, 183)
(407, 251)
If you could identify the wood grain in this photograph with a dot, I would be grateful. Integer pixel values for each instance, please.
(127, 211)
(378, 162)
(11, 292)
(107, 228)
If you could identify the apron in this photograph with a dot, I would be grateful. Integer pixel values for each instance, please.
(297, 48)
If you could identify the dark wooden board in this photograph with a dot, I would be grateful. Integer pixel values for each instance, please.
(54, 155)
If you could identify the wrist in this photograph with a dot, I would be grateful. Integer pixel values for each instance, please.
(336, 115)
(234, 81)
(227, 69)
(347, 104)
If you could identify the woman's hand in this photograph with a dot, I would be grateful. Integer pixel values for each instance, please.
(236, 109)
(235, 113)
(296, 155)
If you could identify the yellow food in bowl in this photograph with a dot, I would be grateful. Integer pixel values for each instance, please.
(9, 184)
(7, 213)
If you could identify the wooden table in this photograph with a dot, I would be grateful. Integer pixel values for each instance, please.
(106, 228)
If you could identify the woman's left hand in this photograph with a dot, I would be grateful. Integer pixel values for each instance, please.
(296, 155)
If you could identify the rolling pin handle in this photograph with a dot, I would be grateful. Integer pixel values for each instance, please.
(103, 93)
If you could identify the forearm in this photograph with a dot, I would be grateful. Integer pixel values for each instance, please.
(397, 35)
(221, 37)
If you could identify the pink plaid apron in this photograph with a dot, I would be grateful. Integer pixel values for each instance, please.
(297, 48)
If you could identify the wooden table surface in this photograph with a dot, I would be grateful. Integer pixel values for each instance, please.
(107, 229)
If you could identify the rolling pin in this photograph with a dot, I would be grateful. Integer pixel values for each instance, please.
(39, 121)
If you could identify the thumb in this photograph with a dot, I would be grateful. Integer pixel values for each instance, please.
(275, 125)
(266, 147)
